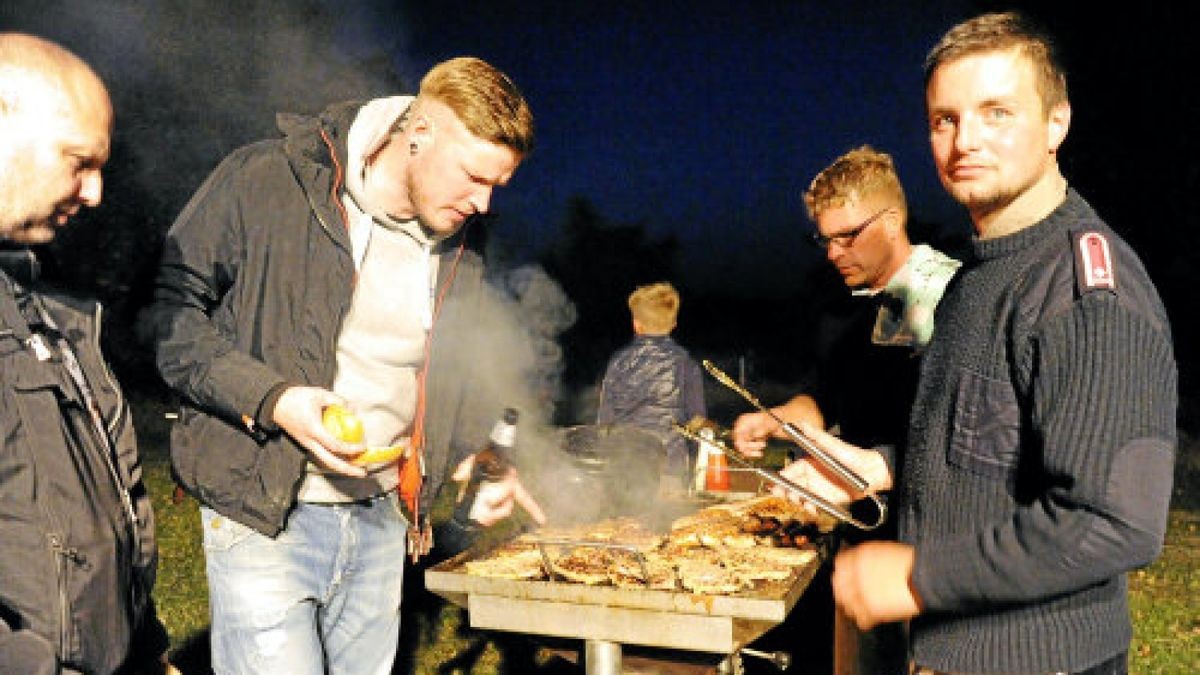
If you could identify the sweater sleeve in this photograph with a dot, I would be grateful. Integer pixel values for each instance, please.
(1098, 435)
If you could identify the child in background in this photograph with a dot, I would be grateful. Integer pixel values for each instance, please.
(653, 382)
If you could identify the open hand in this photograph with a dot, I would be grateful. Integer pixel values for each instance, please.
(811, 474)
(495, 499)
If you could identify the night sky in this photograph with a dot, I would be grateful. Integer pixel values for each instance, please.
(701, 120)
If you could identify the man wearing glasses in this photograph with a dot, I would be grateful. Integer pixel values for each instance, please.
(867, 372)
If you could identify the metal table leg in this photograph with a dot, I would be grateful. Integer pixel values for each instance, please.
(602, 657)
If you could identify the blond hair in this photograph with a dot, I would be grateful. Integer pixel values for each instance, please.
(862, 174)
(1000, 32)
(487, 103)
(655, 307)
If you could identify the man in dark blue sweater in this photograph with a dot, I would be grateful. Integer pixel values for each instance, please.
(1042, 437)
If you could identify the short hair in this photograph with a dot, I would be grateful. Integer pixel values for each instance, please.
(484, 99)
(1002, 31)
(655, 307)
(34, 68)
(858, 175)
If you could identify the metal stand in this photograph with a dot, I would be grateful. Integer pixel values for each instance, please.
(602, 657)
(732, 665)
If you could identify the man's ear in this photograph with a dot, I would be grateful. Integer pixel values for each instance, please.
(1057, 124)
(421, 129)
(894, 222)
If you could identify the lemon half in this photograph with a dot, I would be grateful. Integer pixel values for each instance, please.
(380, 454)
(342, 423)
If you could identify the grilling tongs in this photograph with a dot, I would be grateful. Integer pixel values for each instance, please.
(806, 444)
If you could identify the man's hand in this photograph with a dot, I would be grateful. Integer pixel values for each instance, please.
(298, 412)
(495, 499)
(872, 583)
(751, 431)
(813, 475)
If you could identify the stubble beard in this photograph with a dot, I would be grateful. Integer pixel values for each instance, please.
(982, 200)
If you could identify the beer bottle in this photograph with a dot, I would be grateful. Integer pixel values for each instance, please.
(492, 463)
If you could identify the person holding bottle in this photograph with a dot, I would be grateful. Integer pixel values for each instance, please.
(330, 266)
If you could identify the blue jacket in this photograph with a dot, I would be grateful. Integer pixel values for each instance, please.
(650, 383)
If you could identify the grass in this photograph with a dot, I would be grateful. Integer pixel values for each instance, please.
(1165, 601)
(435, 639)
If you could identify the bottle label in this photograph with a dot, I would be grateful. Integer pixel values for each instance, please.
(701, 475)
(504, 435)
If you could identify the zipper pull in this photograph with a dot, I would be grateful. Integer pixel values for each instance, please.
(68, 552)
(40, 351)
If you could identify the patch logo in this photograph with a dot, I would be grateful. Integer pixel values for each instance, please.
(1095, 262)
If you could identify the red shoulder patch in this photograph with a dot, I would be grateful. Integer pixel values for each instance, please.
(1095, 269)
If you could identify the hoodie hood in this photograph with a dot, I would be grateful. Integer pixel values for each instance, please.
(370, 131)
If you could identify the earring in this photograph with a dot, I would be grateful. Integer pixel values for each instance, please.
(412, 148)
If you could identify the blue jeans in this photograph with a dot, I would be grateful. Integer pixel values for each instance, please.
(322, 597)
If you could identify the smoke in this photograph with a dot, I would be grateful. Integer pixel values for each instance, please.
(191, 81)
(507, 352)
(578, 474)
(545, 312)
(521, 362)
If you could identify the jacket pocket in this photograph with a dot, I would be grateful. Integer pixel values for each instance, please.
(64, 560)
(985, 437)
(221, 533)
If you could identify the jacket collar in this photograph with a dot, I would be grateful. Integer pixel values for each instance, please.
(19, 263)
(317, 150)
(315, 147)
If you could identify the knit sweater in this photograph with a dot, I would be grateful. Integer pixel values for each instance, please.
(1040, 453)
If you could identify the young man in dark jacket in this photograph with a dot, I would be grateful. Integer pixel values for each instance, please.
(1042, 437)
(328, 267)
(77, 549)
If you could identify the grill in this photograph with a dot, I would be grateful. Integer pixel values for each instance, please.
(607, 617)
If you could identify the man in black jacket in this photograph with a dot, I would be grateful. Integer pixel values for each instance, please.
(1042, 438)
(78, 553)
(329, 267)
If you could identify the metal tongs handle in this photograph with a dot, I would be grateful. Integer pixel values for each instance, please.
(824, 457)
(844, 472)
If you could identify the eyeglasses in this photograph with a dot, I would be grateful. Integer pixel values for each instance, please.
(846, 239)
